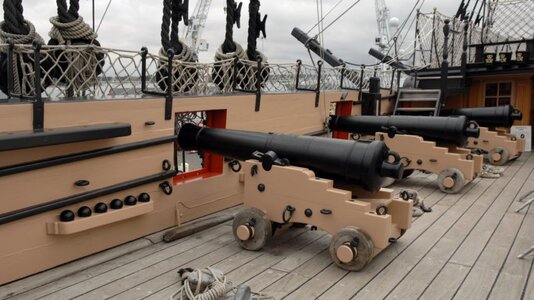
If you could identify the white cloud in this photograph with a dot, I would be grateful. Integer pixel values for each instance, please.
(130, 24)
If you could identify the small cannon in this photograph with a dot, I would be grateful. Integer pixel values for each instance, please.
(497, 116)
(362, 164)
(330, 184)
(451, 130)
(424, 143)
(499, 145)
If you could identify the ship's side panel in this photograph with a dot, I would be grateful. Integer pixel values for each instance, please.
(40, 183)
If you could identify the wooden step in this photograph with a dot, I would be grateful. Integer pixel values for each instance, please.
(416, 108)
(418, 99)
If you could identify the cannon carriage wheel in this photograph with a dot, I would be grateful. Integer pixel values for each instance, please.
(498, 156)
(451, 180)
(351, 248)
(252, 228)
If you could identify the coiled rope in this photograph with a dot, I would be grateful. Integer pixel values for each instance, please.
(206, 284)
(223, 72)
(184, 75)
(77, 69)
(19, 31)
(255, 26)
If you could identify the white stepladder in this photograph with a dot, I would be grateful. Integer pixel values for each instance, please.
(526, 204)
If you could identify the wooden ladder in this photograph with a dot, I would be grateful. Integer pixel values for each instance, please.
(418, 102)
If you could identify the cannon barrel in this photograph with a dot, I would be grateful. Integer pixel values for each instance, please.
(497, 116)
(355, 163)
(454, 130)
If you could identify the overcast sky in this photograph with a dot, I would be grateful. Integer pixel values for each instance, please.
(130, 24)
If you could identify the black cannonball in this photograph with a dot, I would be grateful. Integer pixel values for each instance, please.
(66, 216)
(130, 200)
(144, 197)
(116, 204)
(84, 211)
(101, 208)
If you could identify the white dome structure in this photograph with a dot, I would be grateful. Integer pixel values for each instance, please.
(394, 22)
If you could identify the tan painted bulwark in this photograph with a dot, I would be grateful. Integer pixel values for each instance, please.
(41, 241)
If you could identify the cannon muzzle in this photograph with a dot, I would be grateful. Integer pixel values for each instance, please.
(497, 116)
(356, 163)
(448, 130)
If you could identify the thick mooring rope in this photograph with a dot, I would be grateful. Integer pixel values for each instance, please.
(184, 76)
(223, 73)
(69, 25)
(20, 31)
(77, 69)
(253, 30)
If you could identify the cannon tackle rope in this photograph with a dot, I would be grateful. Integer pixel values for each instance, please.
(206, 284)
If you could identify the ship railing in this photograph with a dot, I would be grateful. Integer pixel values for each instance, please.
(88, 71)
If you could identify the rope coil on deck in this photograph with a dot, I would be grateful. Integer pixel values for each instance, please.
(206, 284)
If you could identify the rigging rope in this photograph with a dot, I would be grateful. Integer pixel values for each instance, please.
(184, 76)
(20, 31)
(223, 73)
(328, 13)
(339, 17)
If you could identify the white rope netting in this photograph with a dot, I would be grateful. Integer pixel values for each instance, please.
(507, 20)
(69, 71)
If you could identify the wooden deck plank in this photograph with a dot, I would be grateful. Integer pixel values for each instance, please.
(470, 250)
(515, 272)
(176, 250)
(444, 286)
(109, 266)
(299, 276)
(528, 292)
(313, 288)
(164, 284)
(270, 258)
(47, 282)
(382, 284)
(477, 223)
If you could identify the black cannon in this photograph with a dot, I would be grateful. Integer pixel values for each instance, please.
(355, 163)
(454, 130)
(497, 116)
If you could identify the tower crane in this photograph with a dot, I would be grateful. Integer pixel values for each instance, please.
(197, 22)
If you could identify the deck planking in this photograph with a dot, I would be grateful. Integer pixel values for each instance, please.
(465, 249)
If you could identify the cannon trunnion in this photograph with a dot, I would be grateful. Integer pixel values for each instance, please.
(362, 164)
(285, 183)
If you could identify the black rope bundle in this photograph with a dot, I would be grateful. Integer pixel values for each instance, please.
(255, 26)
(223, 72)
(175, 11)
(14, 20)
(69, 28)
(17, 30)
(233, 16)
